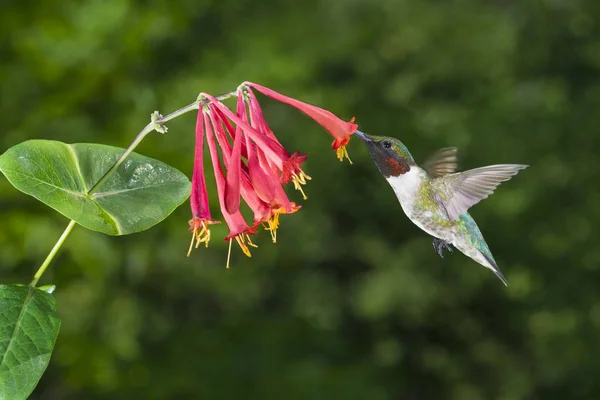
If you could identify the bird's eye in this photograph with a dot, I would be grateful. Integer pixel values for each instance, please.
(387, 144)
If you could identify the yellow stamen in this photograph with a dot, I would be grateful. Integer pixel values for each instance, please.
(241, 239)
(273, 225)
(200, 234)
(300, 179)
(203, 236)
(342, 153)
(192, 243)
(250, 242)
(228, 254)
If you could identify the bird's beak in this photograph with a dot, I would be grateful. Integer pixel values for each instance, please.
(364, 137)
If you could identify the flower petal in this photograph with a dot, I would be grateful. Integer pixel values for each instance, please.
(235, 221)
(258, 207)
(271, 148)
(293, 167)
(337, 128)
(199, 195)
(258, 120)
(234, 169)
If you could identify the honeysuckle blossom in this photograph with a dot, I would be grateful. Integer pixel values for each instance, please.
(238, 228)
(339, 129)
(201, 217)
(274, 153)
(252, 165)
(260, 183)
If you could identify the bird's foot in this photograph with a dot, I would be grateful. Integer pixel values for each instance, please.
(439, 245)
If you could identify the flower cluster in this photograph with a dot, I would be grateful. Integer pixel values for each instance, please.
(250, 163)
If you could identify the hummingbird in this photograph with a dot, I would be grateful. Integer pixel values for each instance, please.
(436, 198)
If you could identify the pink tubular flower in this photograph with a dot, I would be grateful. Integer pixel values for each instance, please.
(238, 228)
(339, 129)
(292, 169)
(272, 149)
(250, 164)
(201, 217)
(262, 183)
(257, 119)
(260, 187)
(247, 191)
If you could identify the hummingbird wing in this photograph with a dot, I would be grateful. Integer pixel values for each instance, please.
(442, 162)
(462, 190)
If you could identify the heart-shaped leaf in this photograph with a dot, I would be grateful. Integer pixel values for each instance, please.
(28, 329)
(141, 193)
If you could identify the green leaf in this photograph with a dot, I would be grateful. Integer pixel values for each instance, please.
(47, 288)
(140, 194)
(28, 330)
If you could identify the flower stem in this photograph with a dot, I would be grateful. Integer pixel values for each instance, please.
(156, 124)
(52, 253)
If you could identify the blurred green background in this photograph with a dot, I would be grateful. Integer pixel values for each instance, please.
(352, 303)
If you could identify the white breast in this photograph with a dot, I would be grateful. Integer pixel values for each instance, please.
(406, 186)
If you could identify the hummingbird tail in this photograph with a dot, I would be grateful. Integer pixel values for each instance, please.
(496, 270)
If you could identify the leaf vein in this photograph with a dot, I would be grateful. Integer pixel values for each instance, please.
(17, 172)
(17, 326)
(112, 193)
(76, 160)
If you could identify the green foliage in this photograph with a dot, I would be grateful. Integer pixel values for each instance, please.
(352, 302)
(141, 193)
(28, 329)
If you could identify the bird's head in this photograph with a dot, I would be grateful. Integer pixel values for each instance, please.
(390, 155)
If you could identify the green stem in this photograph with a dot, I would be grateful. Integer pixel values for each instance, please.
(52, 253)
(156, 124)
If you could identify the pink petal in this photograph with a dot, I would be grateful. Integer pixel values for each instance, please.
(234, 169)
(199, 195)
(262, 182)
(258, 119)
(229, 128)
(268, 145)
(235, 221)
(337, 128)
(258, 207)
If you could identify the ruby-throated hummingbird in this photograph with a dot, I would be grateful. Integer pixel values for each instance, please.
(436, 198)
